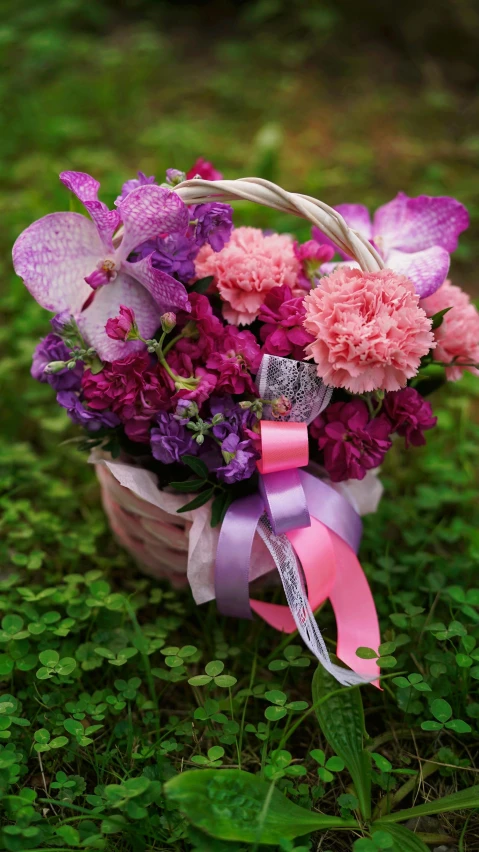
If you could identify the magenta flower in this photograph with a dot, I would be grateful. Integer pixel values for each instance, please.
(352, 443)
(69, 262)
(414, 236)
(121, 326)
(282, 331)
(410, 415)
(203, 169)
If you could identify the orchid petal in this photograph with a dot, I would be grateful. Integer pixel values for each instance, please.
(150, 211)
(167, 292)
(86, 190)
(415, 224)
(53, 256)
(426, 269)
(124, 290)
(356, 216)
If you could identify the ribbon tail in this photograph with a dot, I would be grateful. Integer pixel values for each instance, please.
(355, 610)
(233, 556)
(283, 554)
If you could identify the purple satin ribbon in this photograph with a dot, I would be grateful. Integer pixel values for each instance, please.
(290, 499)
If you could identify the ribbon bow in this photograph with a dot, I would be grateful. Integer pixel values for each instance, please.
(299, 517)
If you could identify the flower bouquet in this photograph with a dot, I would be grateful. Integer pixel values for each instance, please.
(238, 388)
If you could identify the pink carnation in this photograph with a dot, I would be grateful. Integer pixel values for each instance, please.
(369, 330)
(458, 335)
(203, 169)
(248, 267)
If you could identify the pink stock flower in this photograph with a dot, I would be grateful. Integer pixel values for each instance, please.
(248, 267)
(134, 388)
(283, 332)
(414, 236)
(369, 331)
(458, 335)
(204, 381)
(121, 326)
(207, 331)
(203, 169)
(409, 414)
(352, 443)
(69, 262)
(311, 255)
(237, 357)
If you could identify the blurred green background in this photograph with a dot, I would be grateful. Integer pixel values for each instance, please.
(348, 101)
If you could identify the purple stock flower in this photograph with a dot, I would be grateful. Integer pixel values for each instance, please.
(173, 254)
(170, 440)
(214, 224)
(134, 183)
(61, 322)
(91, 420)
(175, 176)
(410, 414)
(52, 348)
(414, 236)
(239, 459)
(236, 419)
(58, 254)
(352, 443)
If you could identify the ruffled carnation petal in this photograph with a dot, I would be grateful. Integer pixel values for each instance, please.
(247, 269)
(458, 335)
(369, 331)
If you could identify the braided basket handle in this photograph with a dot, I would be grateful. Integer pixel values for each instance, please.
(329, 221)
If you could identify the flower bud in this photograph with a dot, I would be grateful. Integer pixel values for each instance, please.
(200, 439)
(63, 323)
(122, 327)
(55, 367)
(218, 418)
(168, 322)
(245, 403)
(174, 177)
(281, 406)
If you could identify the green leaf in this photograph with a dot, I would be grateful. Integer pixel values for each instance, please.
(196, 465)
(214, 668)
(404, 839)
(381, 762)
(190, 485)
(274, 713)
(220, 506)
(198, 501)
(58, 742)
(431, 726)
(49, 658)
(341, 719)
(73, 727)
(458, 726)
(366, 653)
(229, 805)
(225, 681)
(202, 285)
(441, 710)
(200, 680)
(437, 318)
(455, 802)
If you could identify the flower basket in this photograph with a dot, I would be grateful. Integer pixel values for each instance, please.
(239, 389)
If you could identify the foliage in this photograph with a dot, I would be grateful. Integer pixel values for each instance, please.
(111, 684)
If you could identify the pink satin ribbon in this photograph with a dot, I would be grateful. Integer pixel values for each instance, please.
(324, 531)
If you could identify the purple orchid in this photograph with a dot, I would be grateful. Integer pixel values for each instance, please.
(69, 262)
(414, 236)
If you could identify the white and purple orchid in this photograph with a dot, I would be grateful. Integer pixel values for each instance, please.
(414, 236)
(72, 263)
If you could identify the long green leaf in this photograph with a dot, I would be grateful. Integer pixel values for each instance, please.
(455, 802)
(234, 805)
(404, 839)
(341, 719)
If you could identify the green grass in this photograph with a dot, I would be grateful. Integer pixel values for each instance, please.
(142, 97)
